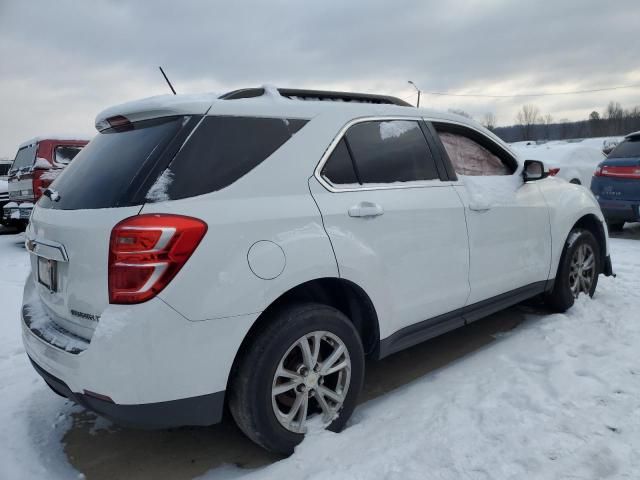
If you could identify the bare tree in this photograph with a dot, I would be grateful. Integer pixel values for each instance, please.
(527, 118)
(615, 116)
(489, 121)
(547, 120)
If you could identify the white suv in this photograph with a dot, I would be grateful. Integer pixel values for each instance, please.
(252, 249)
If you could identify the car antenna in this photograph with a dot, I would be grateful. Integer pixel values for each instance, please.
(165, 77)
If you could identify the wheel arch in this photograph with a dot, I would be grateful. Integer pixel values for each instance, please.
(593, 224)
(344, 295)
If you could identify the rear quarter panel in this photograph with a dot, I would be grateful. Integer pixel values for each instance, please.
(272, 203)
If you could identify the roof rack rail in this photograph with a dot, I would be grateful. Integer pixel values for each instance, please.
(302, 94)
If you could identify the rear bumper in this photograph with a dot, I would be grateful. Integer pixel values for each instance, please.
(16, 212)
(145, 365)
(202, 410)
(620, 210)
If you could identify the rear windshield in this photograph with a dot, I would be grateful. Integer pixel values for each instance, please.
(24, 158)
(117, 164)
(630, 148)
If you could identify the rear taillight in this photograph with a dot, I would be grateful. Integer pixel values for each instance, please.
(553, 172)
(147, 251)
(618, 171)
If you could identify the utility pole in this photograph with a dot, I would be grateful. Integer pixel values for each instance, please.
(416, 87)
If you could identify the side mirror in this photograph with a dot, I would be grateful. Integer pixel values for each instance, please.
(533, 170)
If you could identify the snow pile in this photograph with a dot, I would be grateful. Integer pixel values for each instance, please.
(575, 160)
(158, 191)
(490, 191)
(33, 418)
(51, 174)
(396, 128)
(40, 322)
(41, 163)
(557, 397)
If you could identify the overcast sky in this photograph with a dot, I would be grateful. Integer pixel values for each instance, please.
(61, 62)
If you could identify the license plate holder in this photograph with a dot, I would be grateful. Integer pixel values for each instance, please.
(47, 273)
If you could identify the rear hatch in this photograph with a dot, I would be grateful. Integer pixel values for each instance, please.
(618, 177)
(70, 227)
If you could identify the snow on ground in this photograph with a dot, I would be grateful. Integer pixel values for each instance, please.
(558, 397)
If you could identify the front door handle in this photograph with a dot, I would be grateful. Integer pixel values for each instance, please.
(366, 209)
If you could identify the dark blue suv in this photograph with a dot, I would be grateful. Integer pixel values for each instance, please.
(616, 183)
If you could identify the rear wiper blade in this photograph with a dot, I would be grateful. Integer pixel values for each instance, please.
(51, 194)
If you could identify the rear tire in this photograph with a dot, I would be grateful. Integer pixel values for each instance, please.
(578, 271)
(276, 358)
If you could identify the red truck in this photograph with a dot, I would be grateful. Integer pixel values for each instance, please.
(38, 162)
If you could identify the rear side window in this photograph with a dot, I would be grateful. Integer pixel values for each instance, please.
(65, 153)
(390, 151)
(630, 148)
(112, 169)
(4, 169)
(24, 158)
(220, 151)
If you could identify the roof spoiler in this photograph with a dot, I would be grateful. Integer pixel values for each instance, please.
(318, 95)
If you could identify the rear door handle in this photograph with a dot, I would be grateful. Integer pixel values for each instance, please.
(366, 209)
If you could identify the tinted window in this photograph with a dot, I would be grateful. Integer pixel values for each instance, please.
(339, 167)
(4, 169)
(627, 149)
(111, 169)
(220, 151)
(391, 151)
(24, 158)
(65, 153)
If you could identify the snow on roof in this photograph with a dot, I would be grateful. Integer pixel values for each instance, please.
(270, 103)
(158, 106)
(83, 137)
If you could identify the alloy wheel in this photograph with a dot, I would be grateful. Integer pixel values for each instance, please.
(312, 379)
(582, 270)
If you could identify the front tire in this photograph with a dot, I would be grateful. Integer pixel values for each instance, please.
(307, 361)
(578, 271)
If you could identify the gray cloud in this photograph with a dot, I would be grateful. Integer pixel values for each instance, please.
(61, 62)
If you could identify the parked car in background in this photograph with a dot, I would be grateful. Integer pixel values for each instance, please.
(37, 163)
(616, 183)
(4, 185)
(573, 161)
(250, 250)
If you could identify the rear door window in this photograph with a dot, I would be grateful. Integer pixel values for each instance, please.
(390, 151)
(630, 148)
(222, 150)
(24, 158)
